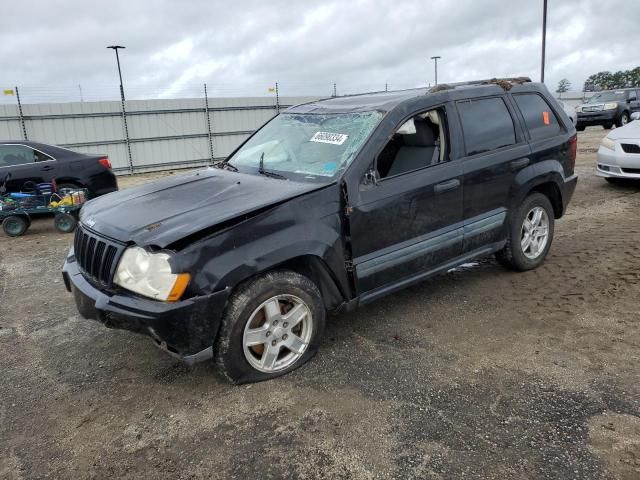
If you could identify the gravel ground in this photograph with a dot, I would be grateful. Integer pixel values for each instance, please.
(479, 373)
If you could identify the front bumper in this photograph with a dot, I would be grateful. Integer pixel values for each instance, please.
(596, 118)
(617, 164)
(185, 329)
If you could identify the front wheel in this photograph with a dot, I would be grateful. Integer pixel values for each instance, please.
(16, 225)
(530, 234)
(623, 119)
(271, 325)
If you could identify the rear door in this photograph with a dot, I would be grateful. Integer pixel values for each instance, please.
(494, 151)
(634, 101)
(26, 165)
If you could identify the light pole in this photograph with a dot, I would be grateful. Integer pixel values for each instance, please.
(435, 60)
(544, 38)
(124, 111)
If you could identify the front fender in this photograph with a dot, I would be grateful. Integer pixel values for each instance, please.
(307, 226)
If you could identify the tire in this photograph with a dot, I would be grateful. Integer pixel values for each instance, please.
(512, 255)
(607, 126)
(623, 119)
(65, 222)
(67, 185)
(246, 317)
(15, 225)
(580, 128)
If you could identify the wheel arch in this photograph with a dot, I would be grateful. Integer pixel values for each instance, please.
(548, 183)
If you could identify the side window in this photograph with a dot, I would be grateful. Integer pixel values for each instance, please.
(12, 155)
(633, 96)
(538, 116)
(486, 124)
(41, 157)
(419, 142)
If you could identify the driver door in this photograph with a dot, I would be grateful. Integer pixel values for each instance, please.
(408, 222)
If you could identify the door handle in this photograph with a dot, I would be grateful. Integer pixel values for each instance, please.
(446, 186)
(46, 168)
(518, 164)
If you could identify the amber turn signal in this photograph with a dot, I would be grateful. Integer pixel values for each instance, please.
(179, 287)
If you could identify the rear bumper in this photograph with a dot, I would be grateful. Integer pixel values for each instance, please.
(102, 183)
(185, 329)
(567, 189)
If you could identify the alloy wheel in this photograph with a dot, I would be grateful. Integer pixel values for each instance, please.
(277, 333)
(534, 234)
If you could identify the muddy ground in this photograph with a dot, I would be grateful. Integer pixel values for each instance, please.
(479, 373)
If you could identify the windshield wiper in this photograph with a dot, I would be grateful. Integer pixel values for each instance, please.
(262, 171)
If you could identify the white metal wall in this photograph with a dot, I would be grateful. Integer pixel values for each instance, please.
(163, 133)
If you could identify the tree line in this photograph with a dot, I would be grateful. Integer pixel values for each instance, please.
(605, 81)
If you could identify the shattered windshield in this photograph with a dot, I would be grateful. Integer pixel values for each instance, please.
(607, 97)
(307, 145)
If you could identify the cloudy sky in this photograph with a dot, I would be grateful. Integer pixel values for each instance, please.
(55, 50)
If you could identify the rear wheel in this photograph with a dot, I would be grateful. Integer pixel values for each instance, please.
(530, 234)
(271, 326)
(65, 222)
(15, 225)
(580, 128)
(608, 126)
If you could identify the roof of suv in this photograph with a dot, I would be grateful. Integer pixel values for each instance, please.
(386, 101)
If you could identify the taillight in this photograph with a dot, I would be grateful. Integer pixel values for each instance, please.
(573, 141)
(105, 162)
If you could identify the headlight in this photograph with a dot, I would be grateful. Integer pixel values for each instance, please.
(608, 143)
(579, 109)
(610, 106)
(149, 274)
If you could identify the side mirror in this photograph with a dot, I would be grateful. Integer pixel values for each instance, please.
(371, 177)
(635, 116)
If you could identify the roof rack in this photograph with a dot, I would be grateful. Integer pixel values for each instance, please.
(505, 83)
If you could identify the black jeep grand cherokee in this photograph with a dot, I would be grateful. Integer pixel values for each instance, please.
(330, 205)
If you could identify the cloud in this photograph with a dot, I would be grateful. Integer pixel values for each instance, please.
(243, 47)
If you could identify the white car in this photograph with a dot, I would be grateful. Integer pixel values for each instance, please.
(619, 152)
(570, 111)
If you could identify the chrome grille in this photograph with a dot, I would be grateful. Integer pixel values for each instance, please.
(96, 256)
(596, 108)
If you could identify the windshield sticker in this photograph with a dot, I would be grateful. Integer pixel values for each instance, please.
(332, 138)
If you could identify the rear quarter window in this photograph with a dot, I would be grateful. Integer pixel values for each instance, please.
(486, 124)
(538, 117)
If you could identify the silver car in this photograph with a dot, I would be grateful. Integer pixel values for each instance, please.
(619, 152)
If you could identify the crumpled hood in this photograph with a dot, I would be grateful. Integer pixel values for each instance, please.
(162, 212)
(630, 131)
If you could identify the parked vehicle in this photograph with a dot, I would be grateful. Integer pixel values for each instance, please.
(619, 153)
(31, 163)
(330, 205)
(570, 111)
(608, 108)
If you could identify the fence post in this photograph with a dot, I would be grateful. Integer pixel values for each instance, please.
(277, 99)
(126, 130)
(386, 87)
(22, 124)
(335, 91)
(206, 110)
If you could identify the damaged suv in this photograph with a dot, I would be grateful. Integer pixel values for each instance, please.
(330, 205)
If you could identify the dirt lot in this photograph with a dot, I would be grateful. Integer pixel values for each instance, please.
(479, 373)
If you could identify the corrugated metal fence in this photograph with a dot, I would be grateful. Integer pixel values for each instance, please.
(172, 133)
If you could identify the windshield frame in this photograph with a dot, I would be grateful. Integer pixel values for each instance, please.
(307, 177)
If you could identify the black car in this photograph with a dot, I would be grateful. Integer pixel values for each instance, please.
(608, 108)
(31, 163)
(330, 205)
